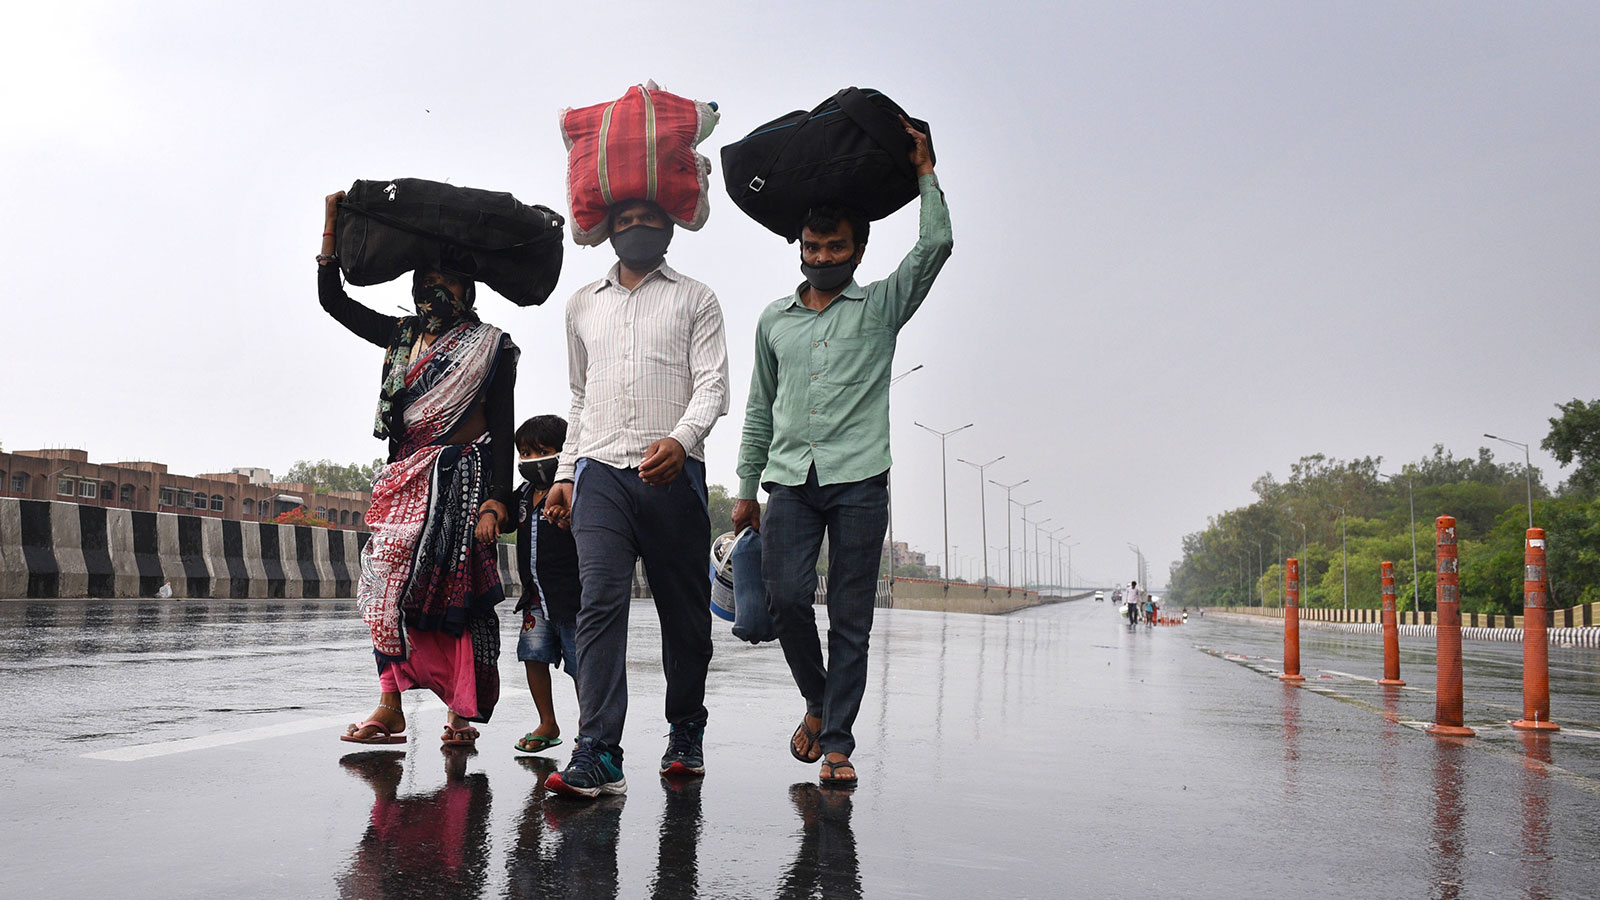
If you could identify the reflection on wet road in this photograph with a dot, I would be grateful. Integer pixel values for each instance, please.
(433, 844)
(1050, 753)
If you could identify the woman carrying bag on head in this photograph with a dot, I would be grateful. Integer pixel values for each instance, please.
(429, 576)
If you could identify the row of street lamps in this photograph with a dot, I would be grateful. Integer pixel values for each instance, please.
(983, 503)
(944, 478)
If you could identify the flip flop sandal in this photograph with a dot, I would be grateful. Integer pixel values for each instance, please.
(831, 779)
(384, 735)
(535, 743)
(459, 737)
(811, 738)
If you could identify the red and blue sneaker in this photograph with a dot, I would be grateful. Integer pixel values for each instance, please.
(592, 771)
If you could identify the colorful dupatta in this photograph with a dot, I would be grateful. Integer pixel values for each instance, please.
(423, 568)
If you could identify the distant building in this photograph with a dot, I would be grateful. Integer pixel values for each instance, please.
(899, 552)
(903, 555)
(246, 493)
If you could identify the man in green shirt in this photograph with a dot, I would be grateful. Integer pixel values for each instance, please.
(816, 436)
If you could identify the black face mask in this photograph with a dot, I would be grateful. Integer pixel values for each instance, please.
(438, 308)
(642, 247)
(540, 472)
(829, 277)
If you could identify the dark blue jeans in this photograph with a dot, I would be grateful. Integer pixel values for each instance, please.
(854, 516)
(616, 520)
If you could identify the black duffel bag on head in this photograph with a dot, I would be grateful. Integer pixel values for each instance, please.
(389, 228)
(851, 151)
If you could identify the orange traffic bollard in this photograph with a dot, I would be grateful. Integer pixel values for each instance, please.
(1391, 632)
(1535, 639)
(1291, 623)
(1447, 629)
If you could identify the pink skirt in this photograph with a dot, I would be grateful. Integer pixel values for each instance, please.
(442, 664)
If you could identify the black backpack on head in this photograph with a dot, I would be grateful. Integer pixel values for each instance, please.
(851, 151)
(389, 228)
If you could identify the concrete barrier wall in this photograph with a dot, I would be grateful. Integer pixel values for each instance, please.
(942, 596)
(1565, 636)
(64, 550)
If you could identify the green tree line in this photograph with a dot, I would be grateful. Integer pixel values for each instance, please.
(329, 476)
(1343, 518)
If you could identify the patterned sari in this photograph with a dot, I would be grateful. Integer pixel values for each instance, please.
(423, 570)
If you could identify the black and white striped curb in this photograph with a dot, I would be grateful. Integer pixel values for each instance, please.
(1559, 637)
(52, 550)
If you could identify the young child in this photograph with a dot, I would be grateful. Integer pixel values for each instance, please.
(547, 560)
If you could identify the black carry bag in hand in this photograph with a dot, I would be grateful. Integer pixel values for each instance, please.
(851, 151)
(389, 228)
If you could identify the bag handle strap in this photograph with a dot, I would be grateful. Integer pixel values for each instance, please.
(393, 222)
(879, 126)
(760, 180)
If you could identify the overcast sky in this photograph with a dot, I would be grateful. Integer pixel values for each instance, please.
(1193, 242)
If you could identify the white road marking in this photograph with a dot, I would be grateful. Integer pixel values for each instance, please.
(1348, 675)
(245, 735)
(205, 655)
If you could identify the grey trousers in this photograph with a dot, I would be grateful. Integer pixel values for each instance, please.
(616, 520)
(854, 516)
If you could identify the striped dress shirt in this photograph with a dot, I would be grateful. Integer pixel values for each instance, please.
(644, 364)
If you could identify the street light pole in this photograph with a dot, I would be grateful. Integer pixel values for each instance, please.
(1055, 560)
(1411, 501)
(1069, 563)
(1010, 575)
(1344, 553)
(983, 509)
(1038, 553)
(1527, 469)
(1259, 572)
(1024, 507)
(1285, 571)
(944, 481)
(888, 485)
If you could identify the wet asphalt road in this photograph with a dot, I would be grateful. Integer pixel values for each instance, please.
(188, 749)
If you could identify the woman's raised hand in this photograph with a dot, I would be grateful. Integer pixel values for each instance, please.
(331, 209)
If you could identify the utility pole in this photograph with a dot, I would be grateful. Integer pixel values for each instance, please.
(1527, 469)
(944, 480)
(1024, 507)
(983, 509)
(1344, 553)
(1038, 553)
(889, 486)
(1069, 563)
(1010, 575)
(1283, 580)
(1411, 501)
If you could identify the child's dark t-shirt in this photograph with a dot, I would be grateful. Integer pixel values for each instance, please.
(557, 560)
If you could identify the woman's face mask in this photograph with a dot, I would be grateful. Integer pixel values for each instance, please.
(438, 308)
(540, 471)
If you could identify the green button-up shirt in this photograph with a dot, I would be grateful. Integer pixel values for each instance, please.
(819, 394)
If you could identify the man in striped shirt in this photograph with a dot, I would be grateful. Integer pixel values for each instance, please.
(648, 365)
